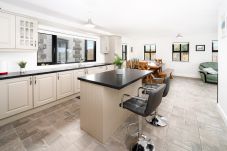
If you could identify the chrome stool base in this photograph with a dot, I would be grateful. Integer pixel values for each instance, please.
(143, 144)
(157, 120)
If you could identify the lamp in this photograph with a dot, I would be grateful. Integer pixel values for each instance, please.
(179, 35)
(90, 24)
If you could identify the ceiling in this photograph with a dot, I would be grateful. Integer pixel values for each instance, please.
(134, 17)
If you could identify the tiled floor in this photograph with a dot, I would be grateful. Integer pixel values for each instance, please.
(194, 125)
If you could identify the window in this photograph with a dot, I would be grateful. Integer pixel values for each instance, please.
(45, 53)
(62, 46)
(149, 52)
(180, 51)
(124, 52)
(54, 49)
(90, 50)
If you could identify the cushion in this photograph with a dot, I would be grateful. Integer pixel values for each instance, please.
(210, 70)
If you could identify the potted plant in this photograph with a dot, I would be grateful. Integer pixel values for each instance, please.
(22, 65)
(118, 62)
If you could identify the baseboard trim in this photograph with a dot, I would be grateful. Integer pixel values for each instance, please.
(222, 113)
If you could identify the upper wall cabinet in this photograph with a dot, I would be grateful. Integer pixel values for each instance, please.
(26, 33)
(7, 30)
(18, 32)
(104, 44)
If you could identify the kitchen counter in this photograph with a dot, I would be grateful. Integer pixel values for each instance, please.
(116, 81)
(46, 71)
(100, 96)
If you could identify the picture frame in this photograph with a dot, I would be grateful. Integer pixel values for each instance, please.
(200, 47)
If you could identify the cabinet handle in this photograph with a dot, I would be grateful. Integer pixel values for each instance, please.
(35, 80)
(58, 76)
(35, 43)
(30, 80)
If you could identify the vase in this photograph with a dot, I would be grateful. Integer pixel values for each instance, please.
(22, 70)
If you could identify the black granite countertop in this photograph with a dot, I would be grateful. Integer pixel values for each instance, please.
(46, 71)
(116, 81)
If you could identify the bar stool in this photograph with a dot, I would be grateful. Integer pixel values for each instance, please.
(143, 108)
(156, 119)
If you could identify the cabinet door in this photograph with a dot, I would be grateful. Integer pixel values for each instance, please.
(44, 89)
(26, 33)
(95, 70)
(104, 44)
(110, 67)
(78, 73)
(7, 30)
(15, 96)
(65, 84)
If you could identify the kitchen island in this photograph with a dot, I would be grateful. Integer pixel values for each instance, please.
(100, 114)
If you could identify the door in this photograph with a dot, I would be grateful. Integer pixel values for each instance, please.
(26, 33)
(7, 30)
(15, 96)
(44, 89)
(78, 73)
(65, 84)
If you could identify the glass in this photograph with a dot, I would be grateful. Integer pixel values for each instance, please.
(21, 42)
(176, 56)
(26, 24)
(79, 47)
(153, 48)
(61, 50)
(184, 47)
(44, 48)
(176, 47)
(26, 33)
(22, 23)
(90, 55)
(147, 48)
(27, 43)
(31, 24)
(22, 32)
(153, 56)
(147, 56)
(31, 33)
(185, 56)
(215, 45)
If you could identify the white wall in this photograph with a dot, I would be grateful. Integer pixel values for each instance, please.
(222, 79)
(12, 57)
(164, 51)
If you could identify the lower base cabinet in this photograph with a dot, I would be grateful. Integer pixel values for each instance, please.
(44, 89)
(15, 96)
(65, 84)
(78, 73)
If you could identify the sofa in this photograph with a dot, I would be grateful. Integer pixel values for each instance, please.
(206, 76)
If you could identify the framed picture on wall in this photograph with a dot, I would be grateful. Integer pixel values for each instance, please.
(200, 47)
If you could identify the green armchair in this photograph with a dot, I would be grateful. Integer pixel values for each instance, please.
(206, 77)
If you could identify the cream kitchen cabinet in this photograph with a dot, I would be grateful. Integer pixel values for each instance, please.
(78, 73)
(44, 88)
(26, 33)
(65, 84)
(95, 70)
(104, 44)
(7, 30)
(15, 96)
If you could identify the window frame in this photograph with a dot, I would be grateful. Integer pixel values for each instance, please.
(124, 51)
(180, 51)
(150, 51)
(86, 51)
